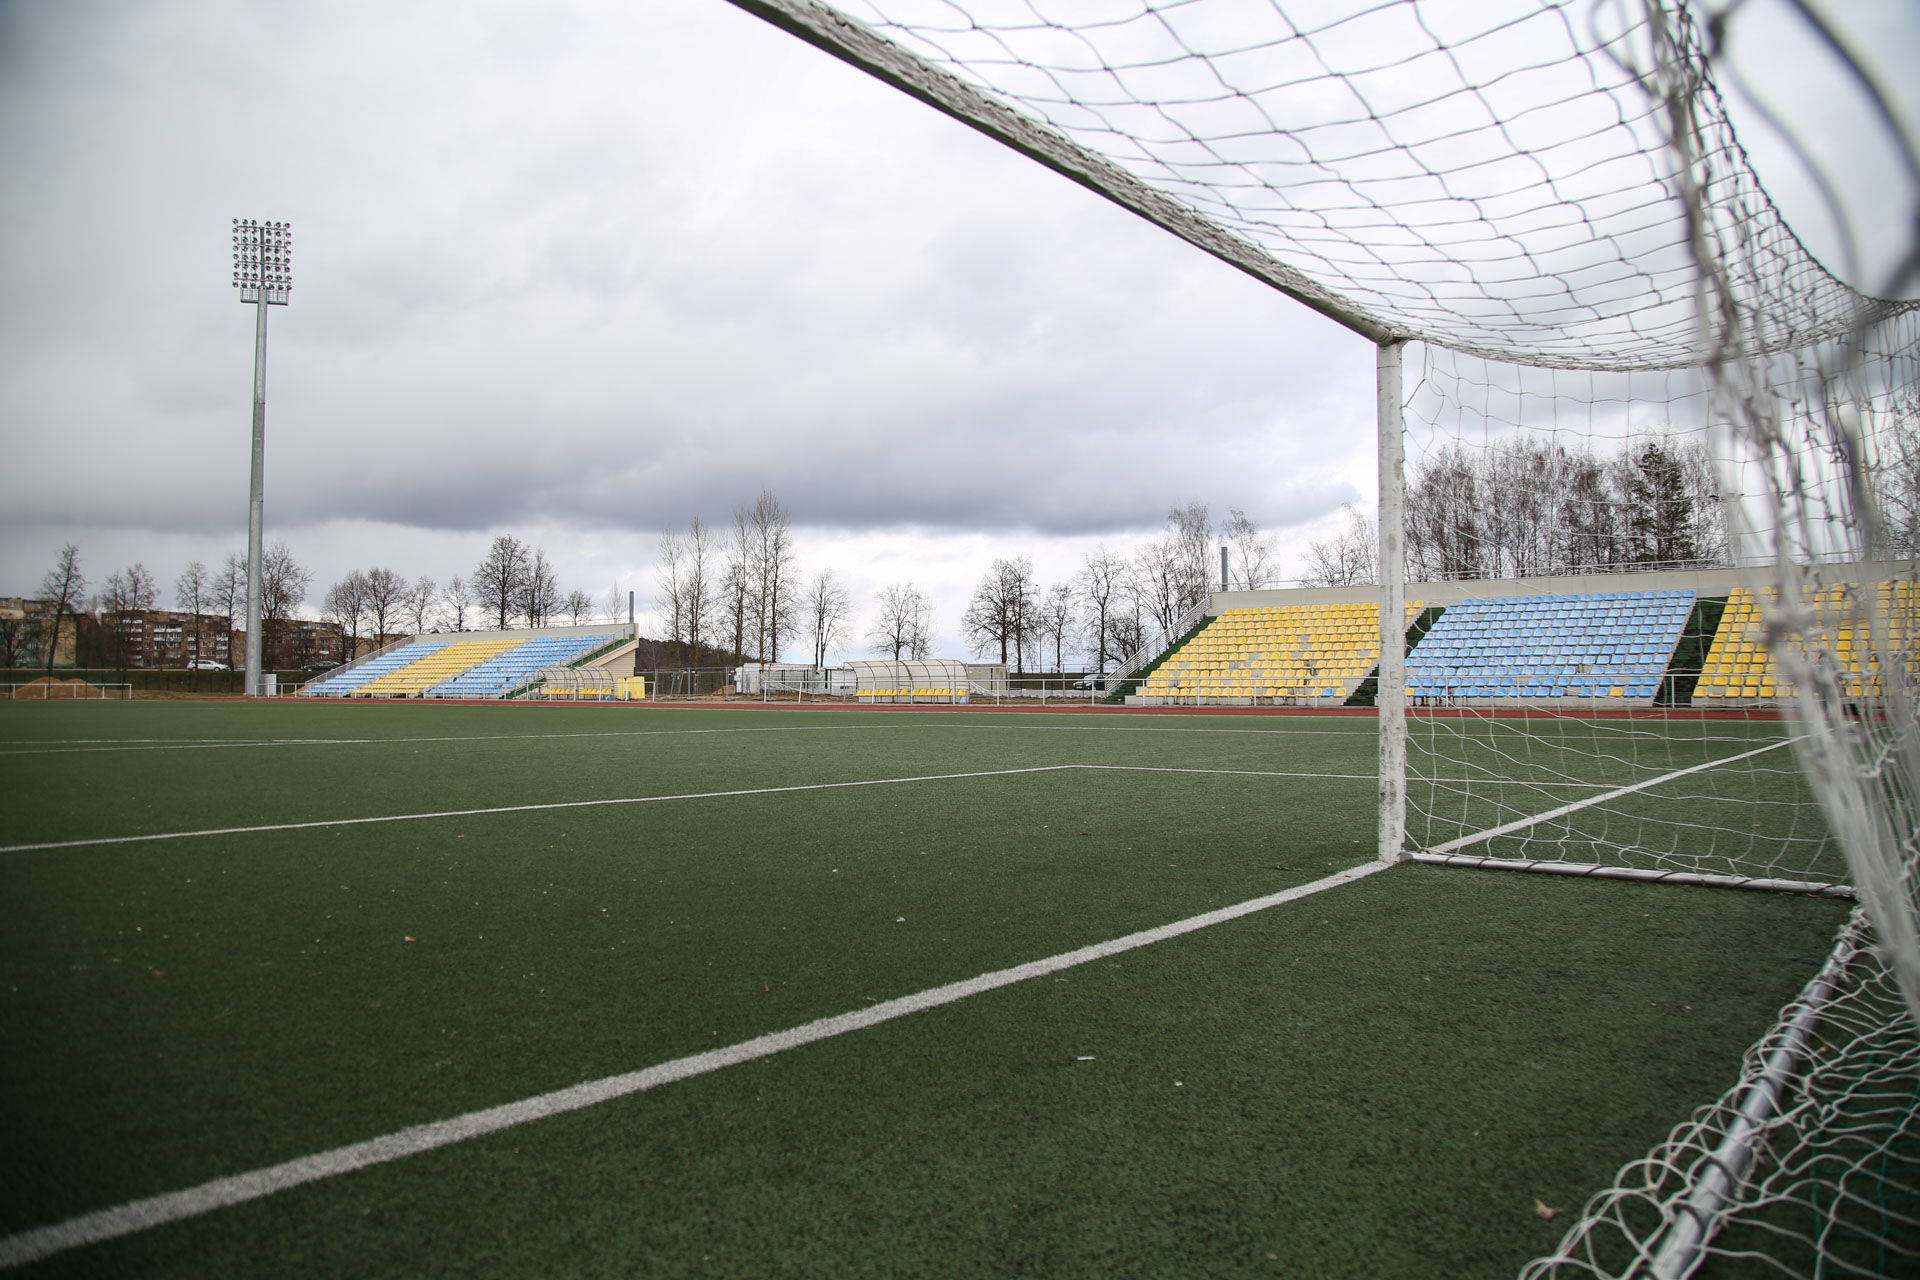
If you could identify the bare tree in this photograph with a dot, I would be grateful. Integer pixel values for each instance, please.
(1895, 477)
(1102, 584)
(191, 592)
(1126, 632)
(1254, 564)
(345, 605)
(419, 603)
(613, 605)
(500, 578)
(385, 599)
(579, 606)
(284, 582)
(1154, 583)
(1349, 557)
(539, 596)
(230, 595)
(738, 607)
(827, 606)
(1057, 615)
(1002, 610)
(455, 600)
(670, 596)
(687, 578)
(903, 623)
(700, 579)
(1190, 533)
(775, 577)
(127, 592)
(16, 637)
(64, 586)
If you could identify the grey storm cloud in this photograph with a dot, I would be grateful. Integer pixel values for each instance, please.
(598, 268)
(606, 266)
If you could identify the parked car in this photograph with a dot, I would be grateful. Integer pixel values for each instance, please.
(1094, 683)
(322, 665)
(208, 664)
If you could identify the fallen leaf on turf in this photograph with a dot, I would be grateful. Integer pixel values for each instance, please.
(405, 938)
(1546, 1214)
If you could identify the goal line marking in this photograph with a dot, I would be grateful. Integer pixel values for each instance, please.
(154, 1211)
(318, 823)
(1521, 824)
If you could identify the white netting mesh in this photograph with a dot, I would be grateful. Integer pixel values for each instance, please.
(1663, 478)
(1819, 1179)
(1492, 177)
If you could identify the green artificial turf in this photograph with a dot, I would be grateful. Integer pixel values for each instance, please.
(1379, 1080)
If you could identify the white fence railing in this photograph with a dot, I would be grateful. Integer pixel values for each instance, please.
(67, 691)
(1158, 644)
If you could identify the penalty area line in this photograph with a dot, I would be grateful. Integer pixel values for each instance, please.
(154, 1211)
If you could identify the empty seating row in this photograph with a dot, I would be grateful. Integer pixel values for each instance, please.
(1282, 653)
(342, 683)
(505, 672)
(1740, 668)
(1598, 645)
(456, 666)
(911, 695)
(437, 667)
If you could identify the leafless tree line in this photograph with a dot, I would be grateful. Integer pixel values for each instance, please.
(220, 595)
(741, 592)
(1528, 508)
(1108, 608)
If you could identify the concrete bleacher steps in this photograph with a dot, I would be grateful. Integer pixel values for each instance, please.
(465, 666)
(344, 683)
(504, 673)
(1290, 654)
(1612, 647)
(434, 668)
(1740, 671)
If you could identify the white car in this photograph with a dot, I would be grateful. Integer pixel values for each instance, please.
(208, 664)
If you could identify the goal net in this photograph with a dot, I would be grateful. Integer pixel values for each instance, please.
(1647, 466)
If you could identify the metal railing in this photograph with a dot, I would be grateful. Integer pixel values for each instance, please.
(1162, 641)
(67, 691)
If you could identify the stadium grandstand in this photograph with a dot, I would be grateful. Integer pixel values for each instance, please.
(486, 666)
(1664, 639)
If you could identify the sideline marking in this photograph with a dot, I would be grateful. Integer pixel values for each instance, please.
(1521, 824)
(512, 808)
(154, 1211)
(618, 800)
(319, 823)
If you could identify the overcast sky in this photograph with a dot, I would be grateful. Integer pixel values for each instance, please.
(581, 271)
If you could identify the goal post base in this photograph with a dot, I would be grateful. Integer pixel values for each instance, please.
(1595, 871)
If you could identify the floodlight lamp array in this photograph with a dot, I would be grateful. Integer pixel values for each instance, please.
(262, 259)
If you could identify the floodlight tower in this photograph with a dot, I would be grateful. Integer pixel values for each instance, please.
(263, 273)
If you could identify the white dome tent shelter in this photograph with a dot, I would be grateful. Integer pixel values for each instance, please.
(1599, 345)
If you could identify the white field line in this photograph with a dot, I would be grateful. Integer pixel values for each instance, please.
(313, 824)
(318, 823)
(1521, 824)
(139, 1215)
(515, 808)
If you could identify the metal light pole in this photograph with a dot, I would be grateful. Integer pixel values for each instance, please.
(263, 273)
